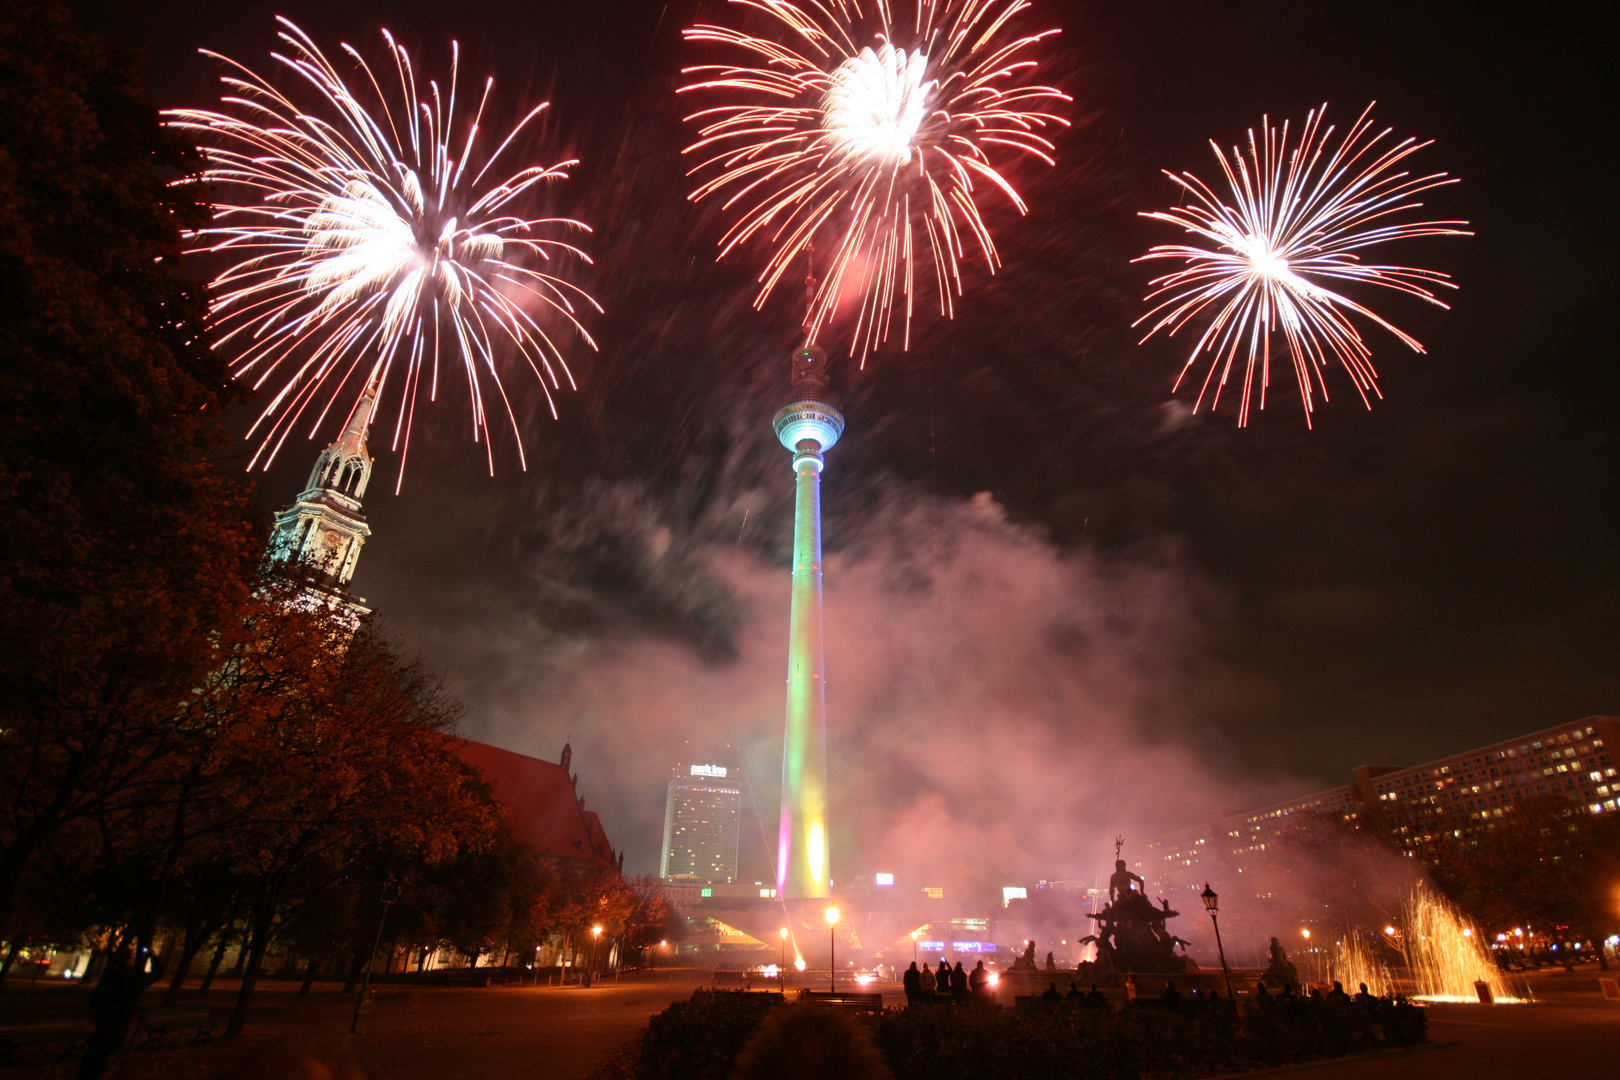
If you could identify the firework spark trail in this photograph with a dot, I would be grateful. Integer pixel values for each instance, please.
(880, 133)
(364, 249)
(1298, 215)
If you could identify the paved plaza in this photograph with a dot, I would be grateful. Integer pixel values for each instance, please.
(566, 1033)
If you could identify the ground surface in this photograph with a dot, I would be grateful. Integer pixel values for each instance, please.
(565, 1033)
(1568, 1033)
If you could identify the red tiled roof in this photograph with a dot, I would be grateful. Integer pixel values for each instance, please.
(541, 806)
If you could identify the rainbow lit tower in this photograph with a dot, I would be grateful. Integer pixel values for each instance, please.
(809, 424)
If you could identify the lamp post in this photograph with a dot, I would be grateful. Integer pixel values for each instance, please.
(596, 935)
(915, 934)
(832, 951)
(362, 1002)
(1212, 905)
(782, 970)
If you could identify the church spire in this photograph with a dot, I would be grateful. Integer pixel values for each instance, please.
(320, 535)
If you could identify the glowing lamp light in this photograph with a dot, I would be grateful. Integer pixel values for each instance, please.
(1211, 898)
(1390, 930)
(783, 932)
(1467, 932)
(995, 978)
(832, 916)
(798, 963)
(597, 930)
(1304, 933)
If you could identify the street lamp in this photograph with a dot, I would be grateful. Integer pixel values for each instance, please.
(915, 934)
(1212, 904)
(832, 951)
(362, 1003)
(781, 971)
(596, 935)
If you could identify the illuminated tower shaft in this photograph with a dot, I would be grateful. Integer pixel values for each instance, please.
(808, 425)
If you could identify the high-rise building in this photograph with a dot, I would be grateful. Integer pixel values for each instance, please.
(1415, 809)
(809, 424)
(702, 816)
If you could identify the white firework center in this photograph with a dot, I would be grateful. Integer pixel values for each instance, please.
(877, 103)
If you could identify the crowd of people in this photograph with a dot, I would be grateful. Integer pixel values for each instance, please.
(952, 984)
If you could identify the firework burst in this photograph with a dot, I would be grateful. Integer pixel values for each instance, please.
(1298, 219)
(372, 243)
(876, 134)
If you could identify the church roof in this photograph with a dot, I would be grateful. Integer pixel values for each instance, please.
(541, 805)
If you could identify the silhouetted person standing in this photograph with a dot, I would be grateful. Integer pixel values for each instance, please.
(912, 982)
(925, 982)
(1051, 964)
(959, 984)
(1074, 993)
(1051, 996)
(977, 978)
(1338, 994)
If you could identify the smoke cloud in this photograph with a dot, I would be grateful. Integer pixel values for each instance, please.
(998, 710)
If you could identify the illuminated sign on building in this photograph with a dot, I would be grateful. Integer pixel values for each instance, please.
(973, 946)
(708, 770)
(883, 879)
(931, 946)
(1009, 893)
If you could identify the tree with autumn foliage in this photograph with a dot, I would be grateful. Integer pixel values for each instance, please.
(121, 544)
(1548, 864)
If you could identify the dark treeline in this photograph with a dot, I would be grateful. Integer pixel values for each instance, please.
(193, 760)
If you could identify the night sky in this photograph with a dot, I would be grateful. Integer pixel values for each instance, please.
(1434, 574)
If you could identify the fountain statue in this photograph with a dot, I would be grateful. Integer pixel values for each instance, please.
(1132, 935)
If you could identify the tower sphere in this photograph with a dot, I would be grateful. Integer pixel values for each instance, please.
(811, 413)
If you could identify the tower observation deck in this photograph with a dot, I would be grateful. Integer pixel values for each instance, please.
(808, 425)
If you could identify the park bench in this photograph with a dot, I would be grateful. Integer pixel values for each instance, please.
(159, 1021)
(864, 1002)
(17, 1034)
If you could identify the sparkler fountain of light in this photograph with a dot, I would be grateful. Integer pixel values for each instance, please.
(1298, 219)
(878, 134)
(1352, 962)
(1448, 954)
(372, 241)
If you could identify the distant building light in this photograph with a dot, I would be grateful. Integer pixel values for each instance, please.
(707, 893)
(767, 893)
(708, 770)
(883, 879)
(1009, 893)
(934, 893)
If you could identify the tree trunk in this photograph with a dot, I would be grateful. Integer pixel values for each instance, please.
(309, 978)
(189, 949)
(258, 943)
(112, 1006)
(356, 965)
(213, 964)
(11, 958)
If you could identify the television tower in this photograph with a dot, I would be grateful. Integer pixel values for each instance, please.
(809, 424)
